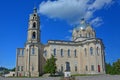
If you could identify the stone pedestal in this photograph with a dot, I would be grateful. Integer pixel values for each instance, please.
(67, 74)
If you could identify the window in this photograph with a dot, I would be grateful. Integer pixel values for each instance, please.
(21, 68)
(34, 25)
(91, 51)
(68, 53)
(75, 68)
(22, 52)
(92, 67)
(32, 68)
(54, 52)
(33, 35)
(86, 68)
(89, 35)
(45, 52)
(97, 51)
(75, 53)
(61, 68)
(85, 50)
(61, 52)
(33, 51)
(80, 35)
(67, 66)
(34, 14)
(18, 68)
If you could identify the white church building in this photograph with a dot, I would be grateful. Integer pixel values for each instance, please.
(83, 55)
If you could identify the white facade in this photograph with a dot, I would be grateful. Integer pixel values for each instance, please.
(83, 55)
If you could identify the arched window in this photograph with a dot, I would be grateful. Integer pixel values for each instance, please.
(45, 53)
(33, 51)
(54, 52)
(32, 68)
(92, 67)
(68, 52)
(91, 50)
(33, 35)
(86, 67)
(80, 35)
(75, 53)
(85, 50)
(34, 25)
(61, 68)
(67, 66)
(22, 52)
(61, 52)
(97, 51)
(89, 34)
(75, 68)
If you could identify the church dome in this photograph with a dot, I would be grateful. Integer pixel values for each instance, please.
(82, 25)
(83, 31)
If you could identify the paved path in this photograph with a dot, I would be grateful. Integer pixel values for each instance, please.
(98, 77)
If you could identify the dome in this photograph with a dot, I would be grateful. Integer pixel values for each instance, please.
(82, 25)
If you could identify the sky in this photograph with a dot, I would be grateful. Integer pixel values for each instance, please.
(58, 18)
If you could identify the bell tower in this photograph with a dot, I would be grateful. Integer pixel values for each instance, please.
(33, 46)
(34, 28)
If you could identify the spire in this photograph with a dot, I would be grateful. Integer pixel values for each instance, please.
(35, 10)
(82, 21)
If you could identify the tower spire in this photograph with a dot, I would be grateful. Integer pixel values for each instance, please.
(35, 9)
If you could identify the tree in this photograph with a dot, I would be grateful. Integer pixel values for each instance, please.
(109, 68)
(50, 66)
(116, 67)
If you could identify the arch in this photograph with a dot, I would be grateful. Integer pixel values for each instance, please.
(33, 35)
(34, 25)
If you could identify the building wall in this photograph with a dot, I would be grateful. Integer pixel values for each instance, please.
(82, 58)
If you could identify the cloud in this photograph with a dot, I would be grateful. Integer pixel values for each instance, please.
(72, 10)
(96, 22)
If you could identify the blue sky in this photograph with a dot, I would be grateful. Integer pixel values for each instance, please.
(57, 20)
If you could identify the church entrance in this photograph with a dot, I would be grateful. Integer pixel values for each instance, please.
(98, 68)
(67, 66)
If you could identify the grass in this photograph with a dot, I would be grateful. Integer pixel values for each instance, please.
(23, 77)
(85, 74)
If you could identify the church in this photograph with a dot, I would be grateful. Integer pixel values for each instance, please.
(83, 55)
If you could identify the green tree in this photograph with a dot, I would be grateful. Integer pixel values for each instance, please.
(116, 67)
(50, 66)
(13, 69)
(108, 68)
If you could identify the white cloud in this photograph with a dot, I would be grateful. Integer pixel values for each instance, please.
(96, 22)
(72, 10)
